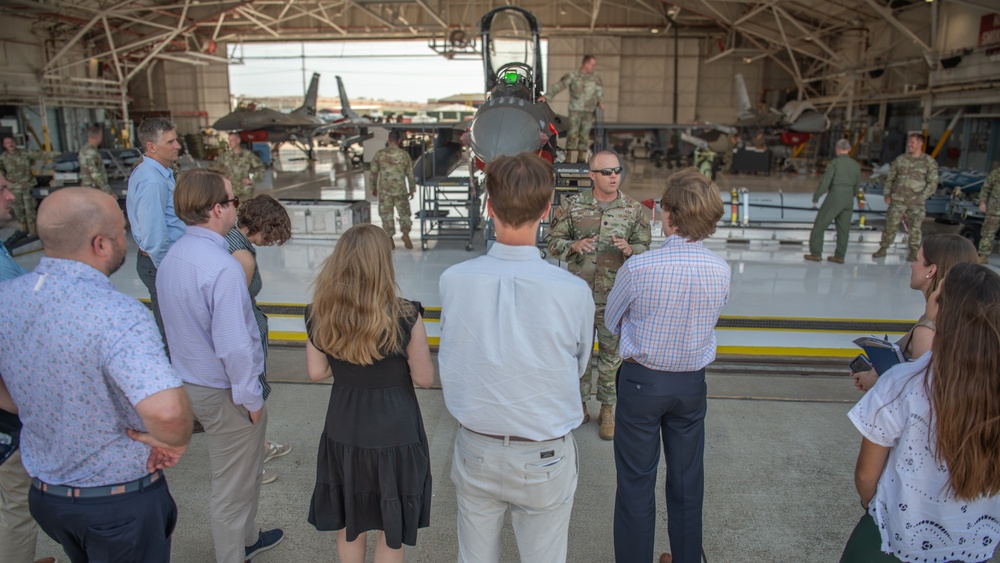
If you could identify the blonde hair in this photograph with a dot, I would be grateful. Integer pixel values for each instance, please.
(356, 311)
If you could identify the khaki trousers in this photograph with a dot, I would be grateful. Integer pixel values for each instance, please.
(236, 453)
(18, 530)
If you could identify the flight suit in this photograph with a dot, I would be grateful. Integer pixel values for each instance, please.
(16, 168)
(841, 182)
(92, 173)
(990, 194)
(240, 166)
(582, 216)
(391, 169)
(911, 181)
(585, 94)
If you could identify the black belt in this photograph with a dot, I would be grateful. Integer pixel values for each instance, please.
(96, 492)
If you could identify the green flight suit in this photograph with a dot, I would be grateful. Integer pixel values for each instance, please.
(841, 183)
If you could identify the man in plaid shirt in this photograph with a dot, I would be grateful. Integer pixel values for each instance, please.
(664, 305)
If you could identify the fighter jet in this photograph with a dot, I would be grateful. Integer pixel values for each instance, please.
(258, 125)
(512, 120)
(795, 116)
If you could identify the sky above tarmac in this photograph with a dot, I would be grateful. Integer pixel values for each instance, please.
(390, 70)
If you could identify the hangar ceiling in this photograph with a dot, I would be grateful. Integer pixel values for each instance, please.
(816, 43)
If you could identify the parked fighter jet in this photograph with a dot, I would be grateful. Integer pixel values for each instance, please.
(512, 120)
(795, 116)
(257, 125)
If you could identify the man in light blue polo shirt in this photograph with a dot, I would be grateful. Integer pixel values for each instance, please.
(150, 203)
(102, 410)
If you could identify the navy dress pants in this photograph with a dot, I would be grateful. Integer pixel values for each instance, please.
(653, 406)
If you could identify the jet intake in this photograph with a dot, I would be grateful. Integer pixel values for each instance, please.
(507, 126)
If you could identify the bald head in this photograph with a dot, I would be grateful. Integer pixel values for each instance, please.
(70, 218)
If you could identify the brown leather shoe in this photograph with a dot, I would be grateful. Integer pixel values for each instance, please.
(586, 415)
(198, 428)
(835, 260)
(666, 558)
(813, 258)
(607, 418)
(406, 241)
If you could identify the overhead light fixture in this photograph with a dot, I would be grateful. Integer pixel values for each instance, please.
(747, 60)
(654, 30)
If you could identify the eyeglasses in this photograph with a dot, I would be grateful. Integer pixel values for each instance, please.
(609, 171)
(235, 201)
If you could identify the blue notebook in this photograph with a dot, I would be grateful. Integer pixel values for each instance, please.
(882, 353)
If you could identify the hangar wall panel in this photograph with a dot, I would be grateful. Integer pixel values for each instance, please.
(647, 79)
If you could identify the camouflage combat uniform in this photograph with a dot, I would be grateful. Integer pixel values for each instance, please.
(92, 173)
(990, 194)
(16, 167)
(582, 216)
(391, 169)
(585, 93)
(238, 166)
(911, 181)
(842, 180)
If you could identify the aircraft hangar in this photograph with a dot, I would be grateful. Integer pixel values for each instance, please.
(867, 64)
(779, 449)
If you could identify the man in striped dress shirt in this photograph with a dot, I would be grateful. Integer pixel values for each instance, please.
(664, 305)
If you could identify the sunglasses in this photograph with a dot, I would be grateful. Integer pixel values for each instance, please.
(609, 171)
(235, 201)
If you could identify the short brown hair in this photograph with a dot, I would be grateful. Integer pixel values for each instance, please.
(915, 136)
(265, 215)
(519, 188)
(693, 202)
(588, 58)
(197, 192)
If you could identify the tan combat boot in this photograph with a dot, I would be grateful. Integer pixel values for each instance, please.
(607, 420)
(984, 259)
(880, 252)
(586, 415)
(571, 156)
(912, 256)
(392, 243)
(406, 241)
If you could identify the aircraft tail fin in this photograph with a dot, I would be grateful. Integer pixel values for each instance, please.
(746, 108)
(309, 104)
(345, 102)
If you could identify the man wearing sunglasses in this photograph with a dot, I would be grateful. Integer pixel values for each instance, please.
(594, 233)
(208, 316)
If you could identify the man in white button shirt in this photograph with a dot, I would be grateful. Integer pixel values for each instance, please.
(516, 334)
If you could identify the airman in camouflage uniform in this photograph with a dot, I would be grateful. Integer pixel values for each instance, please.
(594, 233)
(92, 173)
(912, 179)
(15, 166)
(241, 167)
(391, 169)
(585, 94)
(989, 203)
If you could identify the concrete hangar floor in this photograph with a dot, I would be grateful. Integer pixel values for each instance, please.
(779, 449)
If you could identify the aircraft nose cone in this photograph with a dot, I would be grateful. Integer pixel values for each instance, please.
(503, 130)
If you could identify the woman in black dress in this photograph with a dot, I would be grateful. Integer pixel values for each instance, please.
(373, 470)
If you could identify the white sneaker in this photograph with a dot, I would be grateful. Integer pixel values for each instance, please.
(270, 476)
(273, 450)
